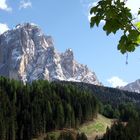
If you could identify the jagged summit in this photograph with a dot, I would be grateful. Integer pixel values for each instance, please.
(27, 54)
(26, 24)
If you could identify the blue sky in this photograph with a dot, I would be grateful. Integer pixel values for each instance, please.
(67, 22)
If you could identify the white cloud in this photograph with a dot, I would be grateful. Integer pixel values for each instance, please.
(4, 6)
(134, 5)
(25, 4)
(116, 81)
(3, 28)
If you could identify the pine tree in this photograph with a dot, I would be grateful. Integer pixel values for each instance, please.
(59, 115)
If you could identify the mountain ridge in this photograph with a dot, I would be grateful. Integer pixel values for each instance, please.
(27, 54)
(133, 86)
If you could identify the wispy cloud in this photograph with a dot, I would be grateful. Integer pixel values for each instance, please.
(3, 27)
(25, 4)
(4, 6)
(115, 81)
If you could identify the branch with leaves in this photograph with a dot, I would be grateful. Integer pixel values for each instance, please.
(117, 17)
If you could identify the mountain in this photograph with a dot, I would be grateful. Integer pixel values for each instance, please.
(27, 54)
(133, 87)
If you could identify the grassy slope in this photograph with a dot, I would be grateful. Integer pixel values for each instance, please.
(91, 129)
(96, 127)
(53, 134)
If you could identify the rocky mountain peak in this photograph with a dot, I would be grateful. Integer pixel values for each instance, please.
(132, 87)
(28, 26)
(27, 54)
(69, 52)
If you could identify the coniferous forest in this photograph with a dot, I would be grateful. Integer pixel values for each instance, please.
(31, 110)
(27, 111)
(122, 105)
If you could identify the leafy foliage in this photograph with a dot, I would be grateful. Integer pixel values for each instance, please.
(117, 17)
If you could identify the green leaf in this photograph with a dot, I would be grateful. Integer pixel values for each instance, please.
(137, 24)
(93, 21)
(139, 12)
(122, 44)
(138, 40)
(129, 42)
(133, 35)
(93, 10)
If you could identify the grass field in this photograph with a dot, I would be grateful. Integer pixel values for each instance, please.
(92, 129)
(96, 127)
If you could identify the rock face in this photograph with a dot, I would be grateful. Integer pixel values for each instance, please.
(133, 87)
(27, 54)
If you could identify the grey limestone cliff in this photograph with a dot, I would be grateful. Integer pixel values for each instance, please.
(27, 54)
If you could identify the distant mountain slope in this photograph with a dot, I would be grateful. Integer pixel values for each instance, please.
(107, 95)
(133, 87)
(27, 54)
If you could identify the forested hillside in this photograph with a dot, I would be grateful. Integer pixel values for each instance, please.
(119, 104)
(31, 110)
(27, 111)
(107, 95)
(122, 131)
